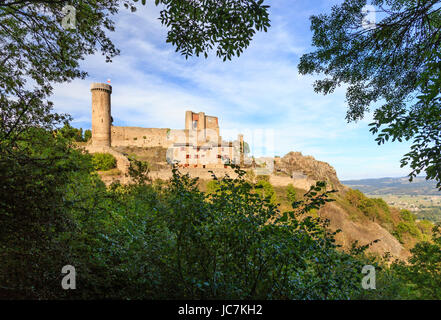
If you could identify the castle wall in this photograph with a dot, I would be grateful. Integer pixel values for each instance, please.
(282, 181)
(140, 137)
(199, 145)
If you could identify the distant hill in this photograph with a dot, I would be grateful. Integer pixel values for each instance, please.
(396, 186)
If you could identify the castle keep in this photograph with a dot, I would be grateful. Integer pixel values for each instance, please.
(199, 145)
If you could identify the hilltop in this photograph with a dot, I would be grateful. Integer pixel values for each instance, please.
(297, 166)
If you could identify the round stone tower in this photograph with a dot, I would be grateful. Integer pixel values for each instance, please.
(101, 116)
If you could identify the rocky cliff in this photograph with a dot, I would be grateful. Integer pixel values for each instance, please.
(364, 232)
(295, 165)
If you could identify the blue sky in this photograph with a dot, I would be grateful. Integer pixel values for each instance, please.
(261, 91)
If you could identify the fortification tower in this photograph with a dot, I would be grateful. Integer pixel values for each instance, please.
(101, 116)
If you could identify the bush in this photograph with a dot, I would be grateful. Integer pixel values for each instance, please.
(291, 193)
(212, 186)
(266, 191)
(354, 197)
(250, 176)
(87, 135)
(423, 269)
(69, 132)
(406, 227)
(425, 227)
(375, 209)
(408, 216)
(265, 178)
(103, 161)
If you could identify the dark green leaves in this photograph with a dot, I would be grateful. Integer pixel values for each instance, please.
(395, 64)
(228, 26)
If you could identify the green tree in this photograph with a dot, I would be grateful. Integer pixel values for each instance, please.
(396, 63)
(226, 247)
(103, 161)
(246, 148)
(72, 133)
(423, 270)
(408, 216)
(291, 193)
(34, 213)
(212, 186)
(266, 190)
(139, 170)
(87, 135)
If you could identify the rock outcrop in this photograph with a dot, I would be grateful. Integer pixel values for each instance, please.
(364, 232)
(294, 164)
(306, 168)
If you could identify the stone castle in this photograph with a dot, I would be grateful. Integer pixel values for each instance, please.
(199, 145)
(197, 150)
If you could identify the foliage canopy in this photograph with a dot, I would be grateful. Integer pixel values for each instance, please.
(394, 66)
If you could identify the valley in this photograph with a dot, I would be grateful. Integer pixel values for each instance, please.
(420, 196)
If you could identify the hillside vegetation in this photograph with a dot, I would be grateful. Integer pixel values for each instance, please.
(362, 216)
(420, 196)
(172, 240)
(359, 217)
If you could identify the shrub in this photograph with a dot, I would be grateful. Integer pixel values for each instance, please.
(87, 135)
(250, 176)
(139, 171)
(103, 161)
(409, 228)
(375, 209)
(425, 226)
(406, 215)
(112, 172)
(423, 269)
(212, 186)
(262, 178)
(266, 191)
(291, 193)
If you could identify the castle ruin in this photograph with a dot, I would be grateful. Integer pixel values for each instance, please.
(198, 149)
(199, 145)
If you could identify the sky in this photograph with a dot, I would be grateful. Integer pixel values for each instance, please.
(259, 93)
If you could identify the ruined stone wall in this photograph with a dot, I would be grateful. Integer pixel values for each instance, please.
(281, 181)
(206, 128)
(212, 123)
(140, 137)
